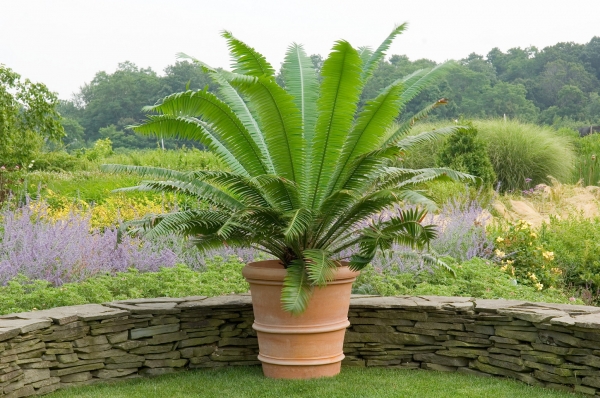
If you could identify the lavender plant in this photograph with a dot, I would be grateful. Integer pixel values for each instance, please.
(66, 250)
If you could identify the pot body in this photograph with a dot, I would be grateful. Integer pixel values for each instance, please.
(302, 346)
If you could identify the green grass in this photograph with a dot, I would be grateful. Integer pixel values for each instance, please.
(241, 382)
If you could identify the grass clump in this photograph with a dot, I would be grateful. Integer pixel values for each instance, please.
(350, 383)
(526, 153)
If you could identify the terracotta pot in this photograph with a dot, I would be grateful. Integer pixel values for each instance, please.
(302, 346)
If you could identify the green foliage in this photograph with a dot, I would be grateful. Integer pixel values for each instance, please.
(219, 278)
(587, 166)
(465, 152)
(309, 167)
(101, 149)
(474, 278)
(27, 116)
(521, 253)
(522, 152)
(576, 247)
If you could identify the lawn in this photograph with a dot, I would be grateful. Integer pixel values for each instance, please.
(249, 382)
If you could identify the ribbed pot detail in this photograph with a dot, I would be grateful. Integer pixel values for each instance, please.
(304, 346)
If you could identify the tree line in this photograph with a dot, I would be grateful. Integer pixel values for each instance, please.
(558, 86)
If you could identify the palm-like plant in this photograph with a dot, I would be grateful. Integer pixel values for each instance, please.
(309, 170)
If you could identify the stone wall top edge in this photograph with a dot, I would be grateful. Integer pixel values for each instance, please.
(558, 314)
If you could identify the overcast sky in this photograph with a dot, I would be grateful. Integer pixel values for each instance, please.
(63, 43)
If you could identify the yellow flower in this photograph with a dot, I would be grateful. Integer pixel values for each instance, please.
(503, 268)
(533, 235)
(556, 270)
(548, 255)
(539, 286)
(532, 276)
(510, 262)
(499, 253)
(499, 239)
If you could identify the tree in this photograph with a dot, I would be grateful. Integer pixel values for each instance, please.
(310, 168)
(28, 116)
(111, 98)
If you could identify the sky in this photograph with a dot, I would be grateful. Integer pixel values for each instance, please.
(64, 43)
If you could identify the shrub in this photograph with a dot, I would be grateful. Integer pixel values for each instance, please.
(521, 152)
(464, 151)
(220, 277)
(474, 278)
(521, 253)
(575, 243)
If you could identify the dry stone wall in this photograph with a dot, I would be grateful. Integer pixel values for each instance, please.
(551, 345)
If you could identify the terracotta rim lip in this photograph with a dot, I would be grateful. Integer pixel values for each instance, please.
(301, 361)
(262, 272)
(307, 329)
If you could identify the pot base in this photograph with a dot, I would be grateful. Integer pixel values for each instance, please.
(300, 372)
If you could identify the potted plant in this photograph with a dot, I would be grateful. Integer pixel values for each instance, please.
(310, 169)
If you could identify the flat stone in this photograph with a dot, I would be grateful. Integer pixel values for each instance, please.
(7, 333)
(130, 344)
(94, 348)
(152, 330)
(76, 369)
(536, 315)
(67, 358)
(167, 337)
(517, 334)
(152, 349)
(119, 337)
(128, 358)
(493, 305)
(165, 355)
(147, 308)
(90, 340)
(174, 300)
(35, 375)
(549, 369)
(164, 363)
(21, 392)
(441, 359)
(590, 321)
(157, 371)
(46, 382)
(102, 354)
(197, 351)
(389, 338)
(199, 341)
(112, 373)
(24, 325)
(125, 365)
(202, 323)
(588, 360)
(76, 377)
(437, 367)
(553, 338)
(216, 302)
(551, 377)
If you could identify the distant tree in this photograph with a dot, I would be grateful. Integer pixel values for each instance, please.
(182, 76)
(111, 98)
(28, 116)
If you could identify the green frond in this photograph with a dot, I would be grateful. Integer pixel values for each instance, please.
(298, 224)
(399, 138)
(282, 193)
(199, 221)
(296, 291)
(301, 83)
(337, 104)
(397, 133)
(197, 189)
(375, 57)
(368, 132)
(365, 53)
(223, 121)
(319, 266)
(247, 60)
(191, 129)
(432, 75)
(280, 122)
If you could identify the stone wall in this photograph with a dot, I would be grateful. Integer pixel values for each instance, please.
(551, 345)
